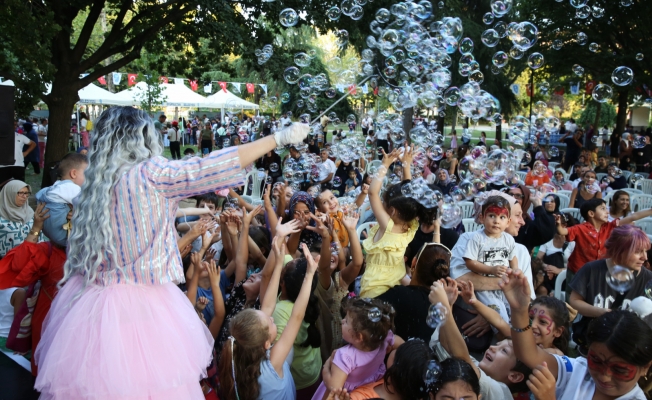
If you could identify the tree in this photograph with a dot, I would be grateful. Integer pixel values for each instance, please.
(152, 98)
(39, 43)
(615, 34)
(607, 115)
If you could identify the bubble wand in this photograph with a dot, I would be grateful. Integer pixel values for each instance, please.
(348, 92)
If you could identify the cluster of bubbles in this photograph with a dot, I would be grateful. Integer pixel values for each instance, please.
(265, 54)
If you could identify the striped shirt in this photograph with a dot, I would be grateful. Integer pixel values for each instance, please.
(143, 207)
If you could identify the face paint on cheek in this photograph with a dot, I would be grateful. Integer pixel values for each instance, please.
(535, 312)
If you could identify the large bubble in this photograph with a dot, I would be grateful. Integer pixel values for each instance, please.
(288, 17)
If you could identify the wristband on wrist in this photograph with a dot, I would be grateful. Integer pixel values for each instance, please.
(520, 330)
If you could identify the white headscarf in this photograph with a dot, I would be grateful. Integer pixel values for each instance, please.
(9, 210)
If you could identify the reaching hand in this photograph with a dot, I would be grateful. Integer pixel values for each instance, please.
(213, 273)
(199, 228)
(312, 264)
(365, 188)
(536, 199)
(195, 260)
(294, 133)
(201, 304)
(248, 216)
(517, 290)
(278, 245)
(450, 287)
(320, 228)
(210, 254)
(338, 394)
(41, 214)
(389, 159)
(542, 383)
(407, 155)
(268, 190)
(185, 251)
(350, 220)
(231, 225)
(468, 293)
(558, 219)
(438, 294)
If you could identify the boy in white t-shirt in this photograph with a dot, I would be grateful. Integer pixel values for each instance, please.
(59, 197)
(490, 251)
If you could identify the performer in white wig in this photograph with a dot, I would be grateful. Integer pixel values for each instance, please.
(120, 328)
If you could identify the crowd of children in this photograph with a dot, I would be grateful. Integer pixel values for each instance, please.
(286, 299)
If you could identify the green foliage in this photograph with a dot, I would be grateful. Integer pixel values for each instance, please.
(607, 115)
(152, 98)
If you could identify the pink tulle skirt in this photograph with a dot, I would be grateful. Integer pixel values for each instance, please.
(122, 342)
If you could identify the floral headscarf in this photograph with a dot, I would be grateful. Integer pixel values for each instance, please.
(308, 237)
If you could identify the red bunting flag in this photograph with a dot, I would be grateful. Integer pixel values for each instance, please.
(352, 89)
(560, 91)
(131, 79)
(528, 89)
(223, 86)
(589, 87)
(193, 85)
(102, 80)
(250, 87)
(376, 91)
(163, 79)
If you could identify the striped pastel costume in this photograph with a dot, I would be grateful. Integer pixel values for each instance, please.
(133, 334)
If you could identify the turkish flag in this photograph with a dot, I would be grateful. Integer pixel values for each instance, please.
(560, 91)
(163, 79)
(376, 91)
(131, 79)
(352, 89)
(250, 87)
(528, 89)
(223, 86)
(589, 87)
(102, 80)
(193, 85)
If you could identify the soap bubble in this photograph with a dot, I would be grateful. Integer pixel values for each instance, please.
(500, 7)
(535, 60)
(337, 181)
(436, 315)
(500, 59)
(553, 151)
(620, 279)
(490, 38)
(334, 13)
(602, 93)
(583, 12)
(557, 44)
(273, 167)
(622, 76)
(431, 375)
(639, 142)
(466, 46)
(488, 18)
(578, 3)
(302, 59)
(285, 98)
(594, 47)
(374, 314)
(648, 289)
(288, 17)
(578, 70)
(451, 215)
(639, 57)
(581, 38)
(292, 75)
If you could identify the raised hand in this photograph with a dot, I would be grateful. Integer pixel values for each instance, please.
(389, 159)
(517, 290)
(450, 286)
(350, 220)
(468, 293)
(438, 294)
(542, 383)
(407, 155)
(312, 264)
(283, 230)
(40, 215)
(213, 273)
(201, 304)
(248, 216)
(320, 228)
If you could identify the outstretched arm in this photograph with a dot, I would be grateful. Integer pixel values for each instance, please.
(374, 191)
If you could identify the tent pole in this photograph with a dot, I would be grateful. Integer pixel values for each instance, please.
(78, 135)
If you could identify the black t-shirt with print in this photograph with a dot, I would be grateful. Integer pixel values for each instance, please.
(590, 282)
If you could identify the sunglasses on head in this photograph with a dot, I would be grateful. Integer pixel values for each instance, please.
(425, 245)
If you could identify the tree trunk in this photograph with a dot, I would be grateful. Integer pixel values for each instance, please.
(407, 122)
(596, 122)
(440, 124)
(621, 117)
(499, 131)
(60, 103)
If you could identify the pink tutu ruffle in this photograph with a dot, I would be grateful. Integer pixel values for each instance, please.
(122, 342)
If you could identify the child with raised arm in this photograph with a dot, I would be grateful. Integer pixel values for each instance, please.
(397, 223)
(490, 251)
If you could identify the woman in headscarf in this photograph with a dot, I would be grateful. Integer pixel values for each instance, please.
(443, 181)
(625, 151)
(16, 217)
(302, 208)
(559, 181)
(551, 203)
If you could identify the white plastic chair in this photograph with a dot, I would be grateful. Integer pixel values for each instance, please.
(566, 193)
(645, 185)
(645, 224)
(627, 174)
(599, 176)
(632, 192)
(552, 165)
(374, 163)
(564, 200)
(365, 228)
(607, 197)
(253, 184)
(641, 202)
(521, 175)
(575, 212)
(470, 225)
(364, 211)
(467, 208)
(247, 199)
(561, 278)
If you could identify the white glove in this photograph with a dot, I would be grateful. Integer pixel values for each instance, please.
(294, 133)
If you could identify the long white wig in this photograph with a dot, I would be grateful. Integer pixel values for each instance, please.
(123, 137)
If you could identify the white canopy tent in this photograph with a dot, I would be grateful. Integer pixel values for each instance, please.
(91, 94)
(174, 95)
(223, 99)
